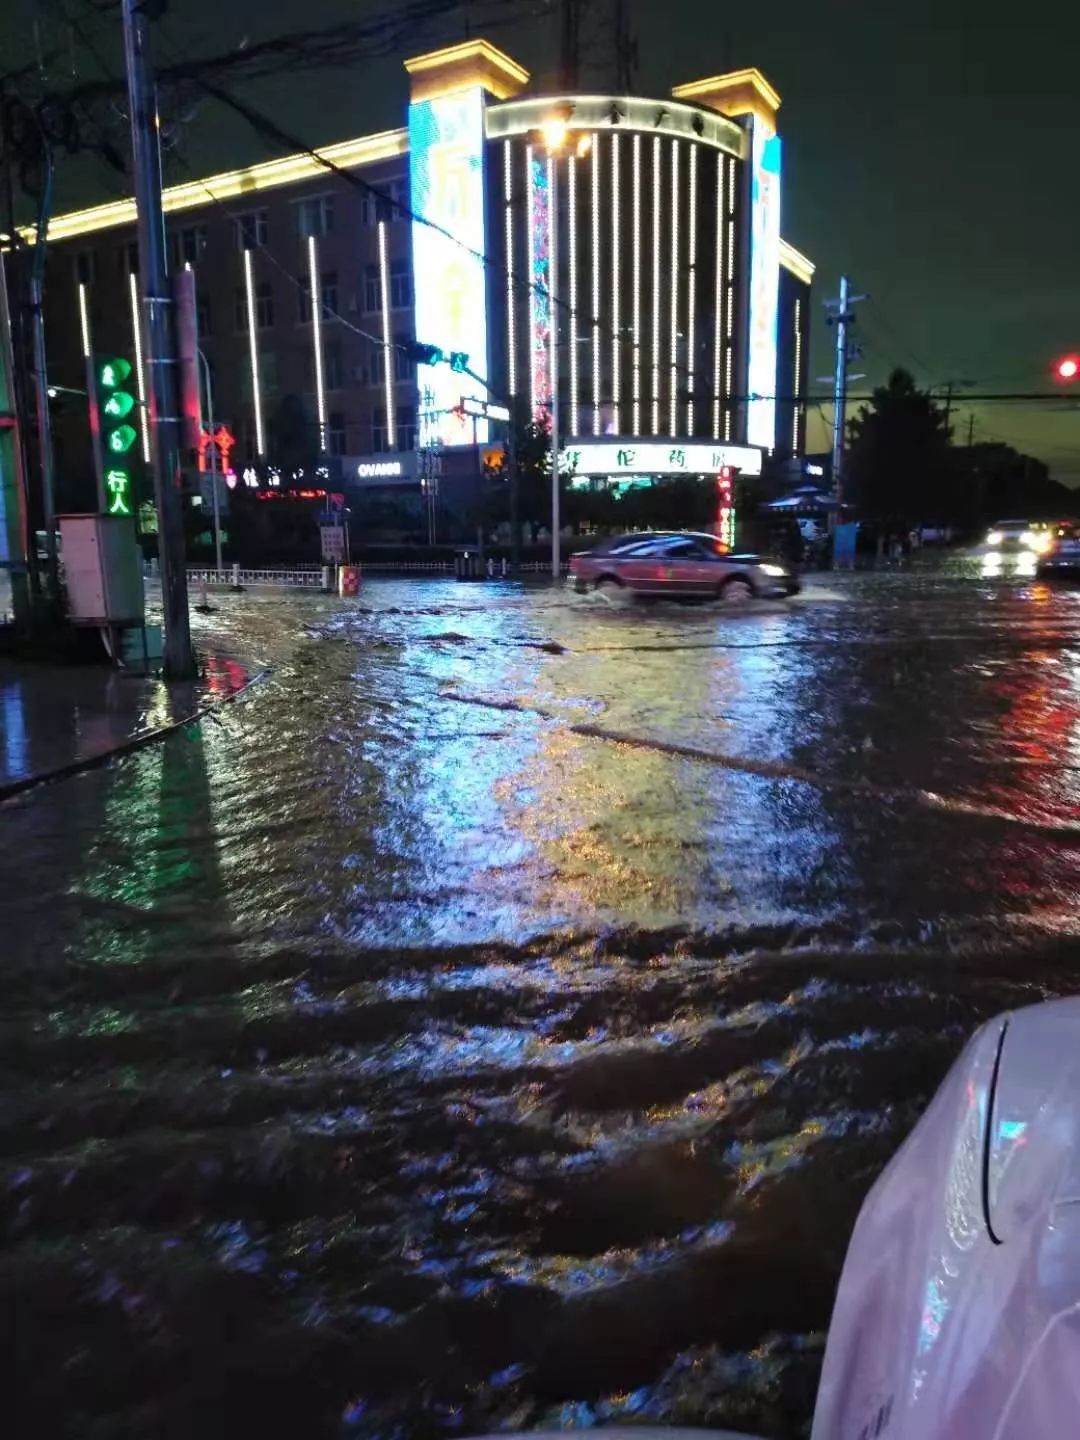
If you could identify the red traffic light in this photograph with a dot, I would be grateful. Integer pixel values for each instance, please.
(1068, 367)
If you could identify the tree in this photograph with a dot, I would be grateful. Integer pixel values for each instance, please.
(898, 461)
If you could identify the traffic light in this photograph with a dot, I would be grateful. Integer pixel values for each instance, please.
(116, 433)
(1068, 367)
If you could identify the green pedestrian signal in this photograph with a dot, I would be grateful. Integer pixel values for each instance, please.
(113, 411)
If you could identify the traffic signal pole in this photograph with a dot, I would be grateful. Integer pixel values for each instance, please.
(163, 418)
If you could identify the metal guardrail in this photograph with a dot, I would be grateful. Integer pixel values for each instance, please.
(284, 579)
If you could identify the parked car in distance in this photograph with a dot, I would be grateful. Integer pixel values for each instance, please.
(673, 565)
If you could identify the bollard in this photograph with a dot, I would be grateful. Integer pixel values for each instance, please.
(504, 567)
(491, 569)
(327, 583)
(236, 576)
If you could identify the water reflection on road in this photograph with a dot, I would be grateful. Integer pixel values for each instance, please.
(497, 1016)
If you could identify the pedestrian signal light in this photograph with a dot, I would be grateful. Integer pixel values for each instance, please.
(115, 434)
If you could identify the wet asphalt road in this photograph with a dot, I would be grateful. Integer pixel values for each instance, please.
(496, 1017)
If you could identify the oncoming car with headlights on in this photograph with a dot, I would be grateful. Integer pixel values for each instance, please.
(683, 564)
(1030, 537)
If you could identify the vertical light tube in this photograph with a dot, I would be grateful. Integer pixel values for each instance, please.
(718, 299)
(656, 287)
(388, 355)
(673, 395)
(530, 196)
(796, 405)
(616, 281)
(691, 286)
(729, 322)
(316, 337)
(511, 326)
(636, 285)
(140, 373)
(253, 355)
(596, 288)
(571, 191)
(84, 320)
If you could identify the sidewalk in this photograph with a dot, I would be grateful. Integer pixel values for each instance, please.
(55, 719)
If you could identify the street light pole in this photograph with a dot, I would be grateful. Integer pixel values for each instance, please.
(212, 447)
(553, 282)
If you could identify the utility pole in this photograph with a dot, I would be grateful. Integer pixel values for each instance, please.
(841, 317)
(160, 348)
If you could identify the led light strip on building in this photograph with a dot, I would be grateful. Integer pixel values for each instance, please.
(530, 198)
(571, 230)
(553, 285)
(656, 206)
(388, 353)
(140, 374)
(798, 374)
(316, 333)
(511, 327)
(673, 395)
(691, 288)
(84, 321)
(636, 276)
(718, 300)
(253, 353)
(729, 300)
(616, 318)
(596, 289)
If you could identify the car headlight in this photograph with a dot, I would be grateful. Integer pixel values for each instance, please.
(768, 569)
(994, 537)
(1042, 544)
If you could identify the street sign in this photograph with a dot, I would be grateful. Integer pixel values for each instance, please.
(484, 409)
(332, 538)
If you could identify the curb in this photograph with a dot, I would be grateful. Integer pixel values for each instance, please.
(11, 788)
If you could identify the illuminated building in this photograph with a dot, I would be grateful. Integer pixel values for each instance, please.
(678, 317)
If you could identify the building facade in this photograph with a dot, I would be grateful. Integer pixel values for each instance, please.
(614, 263)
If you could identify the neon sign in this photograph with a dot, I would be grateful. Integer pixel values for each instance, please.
(446, 164)
(764, 287)
(222, 440)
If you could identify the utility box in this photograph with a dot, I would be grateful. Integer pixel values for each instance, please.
(102, 569)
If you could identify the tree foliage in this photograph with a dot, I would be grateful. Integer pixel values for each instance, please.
(898, 464)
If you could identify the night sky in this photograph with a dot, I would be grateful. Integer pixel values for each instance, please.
(931, 151)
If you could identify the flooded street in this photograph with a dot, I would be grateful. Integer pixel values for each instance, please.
(496, 1016)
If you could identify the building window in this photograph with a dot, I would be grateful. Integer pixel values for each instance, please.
(377, 367)
(406, 419)
(188, 245)
(400, 285)
(264, 306)
(252, 229)
(203, 323)
(315, 216)
(329, 295)
(372, 296)
(404, 367)
(303, 300)
(127, 258)
(332, 373)
(84, 267)
(240, 315)
(380, 439)
(335, 433)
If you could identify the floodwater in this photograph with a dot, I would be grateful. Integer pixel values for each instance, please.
(495, 1018)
